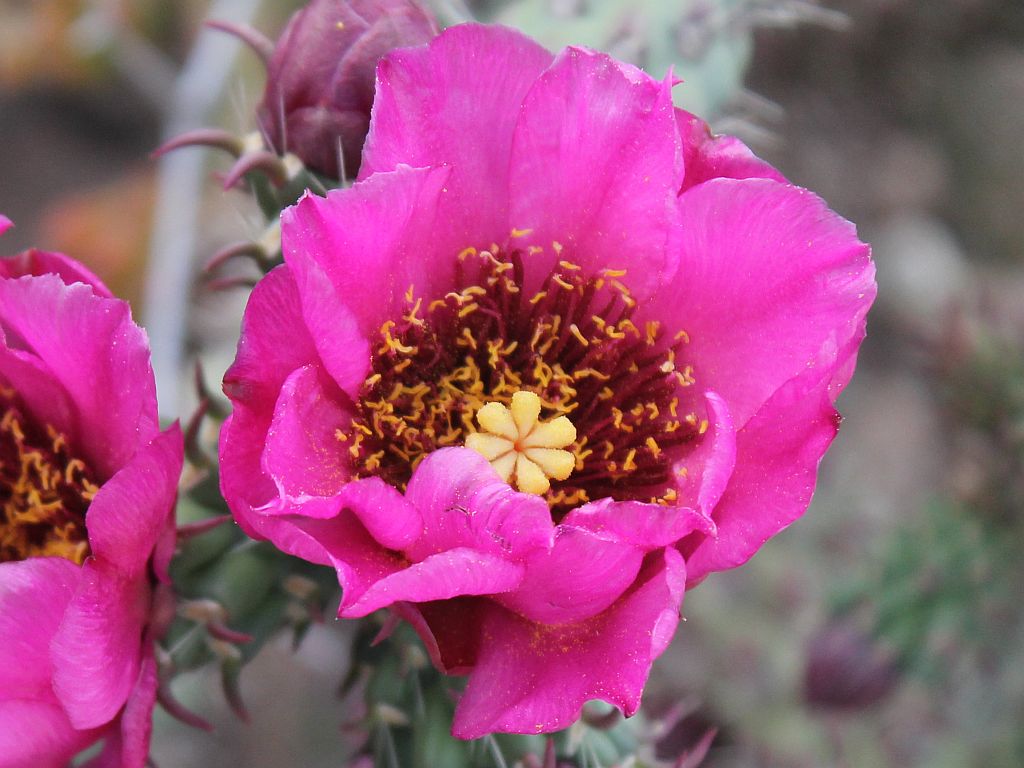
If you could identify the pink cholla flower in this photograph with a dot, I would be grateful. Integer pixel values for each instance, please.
(87, 491)
(557, 355)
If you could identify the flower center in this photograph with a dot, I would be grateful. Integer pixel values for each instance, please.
(44, 490)
(518, 444)
(486, 359)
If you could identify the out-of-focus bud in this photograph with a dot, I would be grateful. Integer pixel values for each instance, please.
(847, 670)
(320, 79)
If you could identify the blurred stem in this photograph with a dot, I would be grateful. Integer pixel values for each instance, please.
(172, 262)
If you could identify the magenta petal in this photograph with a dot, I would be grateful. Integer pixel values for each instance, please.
(580, 577)
(5, 224)
(242, 482)
(534, 678)
(37, 734)
(39, 389)
(386, 514)
(372, 242)
(777, 456)
(288, 533)
(469, 82)
(33, 596)
(642, 525)
(274, 341)
(768, 276)
(36, 262)
(302, 453)
(133, 509)
(596, 167)
(343, 347)
(710, 465)
(443, 628)
(344, 542)
(465, 504)
(707, 156)
(99, 356)
(137, 718)
(96, 651)
(454, 573)
(127, 742)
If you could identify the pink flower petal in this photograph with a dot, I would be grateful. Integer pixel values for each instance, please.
(465, 504)
(39, 389)
(777, 456)
(710, 465)
(642, 525)
(442, 626)
(100, 357)
(33, 596)
(134, 508)
(343, 348)
(387, 515)
(37, 734)
(469, 82)
(453, 573)
(360, 561)
(596, 166)
(372, 242)
(535, 678)
(707, 156)
(242, 481)
(768, 276)
(137, 718)
(97, 649)
(36, 262)
(274, 341)
(5, 224)
(127, 744)
(580, 577)
(303, 454)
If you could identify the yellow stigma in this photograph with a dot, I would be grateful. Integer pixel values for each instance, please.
(520, 446)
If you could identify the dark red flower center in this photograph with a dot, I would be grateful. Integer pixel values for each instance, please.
(44, 489)
(573, 342)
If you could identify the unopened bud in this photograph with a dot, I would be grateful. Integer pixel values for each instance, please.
(847, 670)
(320, 79)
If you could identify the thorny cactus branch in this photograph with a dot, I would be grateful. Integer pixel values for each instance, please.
(180, 184)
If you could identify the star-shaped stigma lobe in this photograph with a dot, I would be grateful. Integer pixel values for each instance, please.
(521, 447)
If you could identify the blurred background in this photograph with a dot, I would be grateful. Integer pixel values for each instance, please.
(886, 628)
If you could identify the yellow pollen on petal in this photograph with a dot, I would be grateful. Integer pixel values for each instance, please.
(522, 449)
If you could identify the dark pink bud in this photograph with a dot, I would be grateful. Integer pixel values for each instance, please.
(320, 80)
(847, 670)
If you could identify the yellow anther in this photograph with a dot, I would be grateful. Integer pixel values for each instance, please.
(579, 335)
(562, 282)
(522, 448)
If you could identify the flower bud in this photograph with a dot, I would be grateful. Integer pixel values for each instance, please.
(320, 79)
(847, 670)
